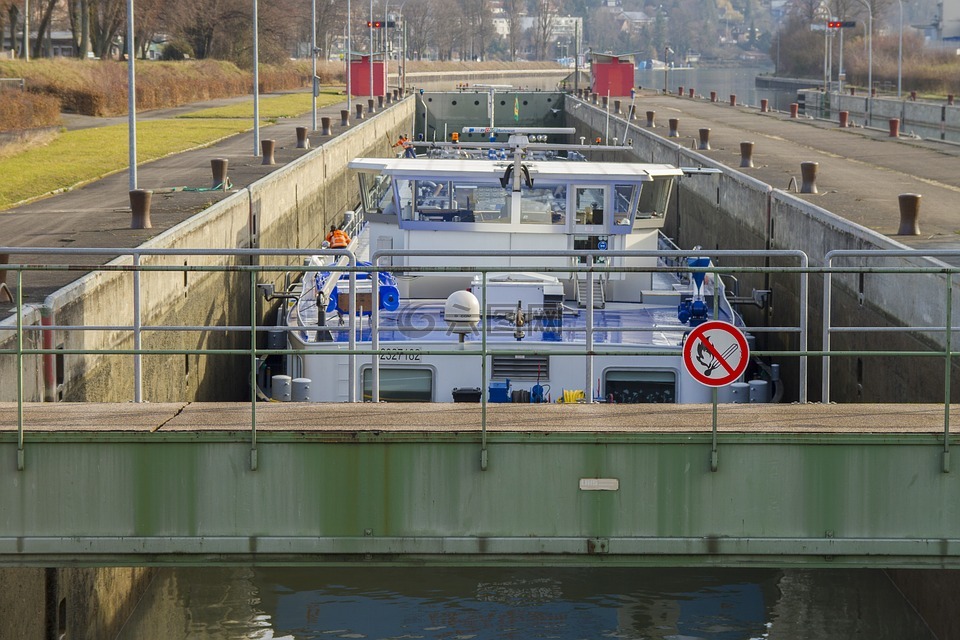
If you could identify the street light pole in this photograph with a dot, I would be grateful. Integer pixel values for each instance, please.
(313, 54)
(131, 98)
(666, 52)
(900, 54)
(348, 59)
(869, 60)
(256, 82)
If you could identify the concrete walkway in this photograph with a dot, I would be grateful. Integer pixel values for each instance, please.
(98, 214)
(861, 171)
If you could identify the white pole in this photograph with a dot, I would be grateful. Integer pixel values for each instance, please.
(26, 30)
(900, 54)
(313, 54)
(256, 83)
(840, 75)
(131, 98)
(371, 48)
(348, 58)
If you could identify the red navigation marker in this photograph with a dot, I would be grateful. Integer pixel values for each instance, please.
(716, 353)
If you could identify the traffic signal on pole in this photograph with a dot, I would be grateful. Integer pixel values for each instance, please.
(834, 24)
(374, 24)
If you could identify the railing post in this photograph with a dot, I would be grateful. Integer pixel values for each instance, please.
(352, 340)
(20, 456)
(137, 333)
(483, 370)
(946, 376)
(253, 370)
(588, 392)
(825, 361)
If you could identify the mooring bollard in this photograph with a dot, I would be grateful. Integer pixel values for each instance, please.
(604, 102)
(680, 91)
(325, 129)
(219, 168)
(303, 142)
(950, 99)
(844, 119)
(386, 98)
(764, 105)
(794, 109)
(746, 154)
(704, 140)
(808, 171)
(909, 214)
(913, 96)
(713, 96)
(853, 91)
(344, 117)
(651, 119)
(140, 208)
(894, 127)
(359, 111)
(691, 93)
(380, 102)
(267, 146)
(396, 95)
(616, 107)
(595, 98)
(733, 99)
(633, 112)
(674, 123)
(371, 106)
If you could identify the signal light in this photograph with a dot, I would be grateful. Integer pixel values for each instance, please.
(834, 24)
(374, 24)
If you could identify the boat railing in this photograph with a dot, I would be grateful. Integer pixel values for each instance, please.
(41, 338)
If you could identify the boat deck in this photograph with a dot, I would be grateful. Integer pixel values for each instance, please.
(278, 417)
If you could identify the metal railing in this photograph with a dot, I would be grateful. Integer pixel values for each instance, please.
(137, 263)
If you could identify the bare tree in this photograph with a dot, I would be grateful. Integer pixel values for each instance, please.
(514, 11)
(106, 18)
(78, 11)
(546, 13)
(420, 26)
(46, 13)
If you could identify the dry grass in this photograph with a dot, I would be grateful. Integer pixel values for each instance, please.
(925, 70)
(21, 110)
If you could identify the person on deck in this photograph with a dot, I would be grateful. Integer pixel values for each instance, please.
(337, 238)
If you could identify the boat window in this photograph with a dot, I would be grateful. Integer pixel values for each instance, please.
(590, 243)
(374, 191)
(546, 205)
(654, 197)
(589, 205)
(625, 386)
(624, 203)
(404, 195)
(399, 384)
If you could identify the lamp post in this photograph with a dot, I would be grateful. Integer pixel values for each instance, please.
(666, 52)
(348, 58)
(256, 82)
(26, 31)
(313, 54)
(869, 60)
(131, 99)
(900, 54)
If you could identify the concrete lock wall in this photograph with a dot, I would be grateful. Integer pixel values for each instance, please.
(291, 207)
(930, 117)
(451, 111)
(735, 211)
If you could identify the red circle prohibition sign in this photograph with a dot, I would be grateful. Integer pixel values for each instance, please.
(716, 353)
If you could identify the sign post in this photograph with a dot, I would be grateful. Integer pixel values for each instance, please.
(715, 354)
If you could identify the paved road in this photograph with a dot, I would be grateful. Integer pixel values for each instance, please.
(861, 172)
(98, 214)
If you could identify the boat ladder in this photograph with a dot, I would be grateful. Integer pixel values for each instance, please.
(599, 293)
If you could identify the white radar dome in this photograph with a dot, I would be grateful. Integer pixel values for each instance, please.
(462, 312)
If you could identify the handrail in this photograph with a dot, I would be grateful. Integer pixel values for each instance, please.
(137, 262)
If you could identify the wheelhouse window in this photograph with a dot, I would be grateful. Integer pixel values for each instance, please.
(654, 198)
(624, 205)
(543, 205)
(400, 384)
(374, 192)
(625, 386)
(589, 202)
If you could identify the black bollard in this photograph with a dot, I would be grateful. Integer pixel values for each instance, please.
(344, 117)
(325, 129)
(219, 168)
(808, 171)
(674, 124)
(267, 146)
(140, 208)
(651, 119)
(704, 144)
(746, 154)
(909, 214)
(359, 111)
(303, 142)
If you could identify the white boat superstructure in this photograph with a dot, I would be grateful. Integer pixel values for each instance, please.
(522, 280)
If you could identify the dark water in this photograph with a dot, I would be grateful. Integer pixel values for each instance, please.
(739, 81)
(529, 603)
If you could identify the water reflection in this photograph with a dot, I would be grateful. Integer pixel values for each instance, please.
(482, 603)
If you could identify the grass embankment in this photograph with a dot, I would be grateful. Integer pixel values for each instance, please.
(78, 157)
